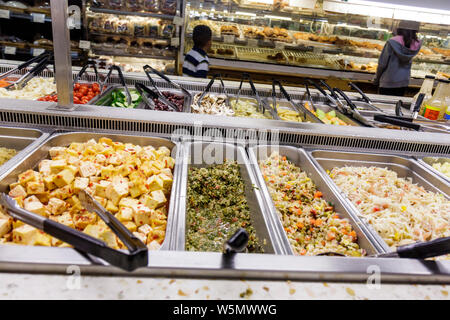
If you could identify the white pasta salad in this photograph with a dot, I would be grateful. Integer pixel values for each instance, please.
(36, 88)
(401, 211)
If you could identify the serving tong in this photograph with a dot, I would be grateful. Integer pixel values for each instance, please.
(122, 81)
(261, 107)
(138, 252)
(42, 61)
(417, 250)
(159, 95)
(366, 101)
(88, 64)
(274, 110)
(208, 88)
(412, 122)
(144, 91)
(334, 100)
(353, 111)
(164, 77)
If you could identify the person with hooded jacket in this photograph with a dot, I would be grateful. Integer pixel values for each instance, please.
(394, 64)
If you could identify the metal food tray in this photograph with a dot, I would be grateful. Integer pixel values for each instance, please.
(301, 159)
(106, 98)
(203, 154)
(404, 167)
(428, 162)
(32, 160)
(325, 108)
(284, 104)
(23, 140)
(253, 100)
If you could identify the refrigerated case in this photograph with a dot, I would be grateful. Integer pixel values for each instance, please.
(133, 33)
(310, 37)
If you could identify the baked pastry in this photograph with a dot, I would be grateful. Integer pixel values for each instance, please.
(233, 30)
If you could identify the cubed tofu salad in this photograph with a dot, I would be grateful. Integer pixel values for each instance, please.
(130, 181)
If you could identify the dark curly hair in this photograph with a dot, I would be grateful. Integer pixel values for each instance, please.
(201, 35)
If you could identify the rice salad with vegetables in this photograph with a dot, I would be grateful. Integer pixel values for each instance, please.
(310, 222)
(401, 211)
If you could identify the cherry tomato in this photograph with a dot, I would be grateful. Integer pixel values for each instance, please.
(76, 86)
(95, 87)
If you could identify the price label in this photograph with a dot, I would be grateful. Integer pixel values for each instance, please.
(228, 38)
(178, 21)
(10, 50)
(175, 42)
(86, 45)
(38, 51)
(280, 45)
(4, 14)
(38, 17)
(252, 43)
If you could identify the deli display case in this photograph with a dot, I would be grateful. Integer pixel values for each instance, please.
(307, 37)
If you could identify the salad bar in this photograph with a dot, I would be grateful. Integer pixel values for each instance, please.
(184, 185)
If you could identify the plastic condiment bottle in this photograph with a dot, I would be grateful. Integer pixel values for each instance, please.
(447, 114)
(427, 89)
(436, 105)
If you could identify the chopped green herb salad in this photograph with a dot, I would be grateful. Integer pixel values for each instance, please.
(217, 207)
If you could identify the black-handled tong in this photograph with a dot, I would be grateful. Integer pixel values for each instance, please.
(398, 121)
(88, 64)
(122, 81)
(416, 108)
(332, 93)
(363, 95)
(25, 64)
(144, 90)
(299, 108)
(417, 250)
(36, 70)
(365, 98)
(353, 112)
(237, 242)
(138, 252)
(245, 76)
(164, 77)
(208, 88)
(333, 98)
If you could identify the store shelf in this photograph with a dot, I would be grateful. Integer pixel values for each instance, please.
(101, 34)
(30, 51)
(25, 15)
(133, 55)
(130, 13)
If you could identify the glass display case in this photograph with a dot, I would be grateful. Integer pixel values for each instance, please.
(130, 33)
(313, 34)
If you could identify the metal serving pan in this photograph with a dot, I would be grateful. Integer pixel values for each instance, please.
(202, 154)
(403, 166)
(106, 98)
(428, 162)
(21, 139)
(284, 104)
(32, 160)
(325, 108)
(301, 159)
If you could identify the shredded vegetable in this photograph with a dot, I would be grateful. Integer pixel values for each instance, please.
(401, 211)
